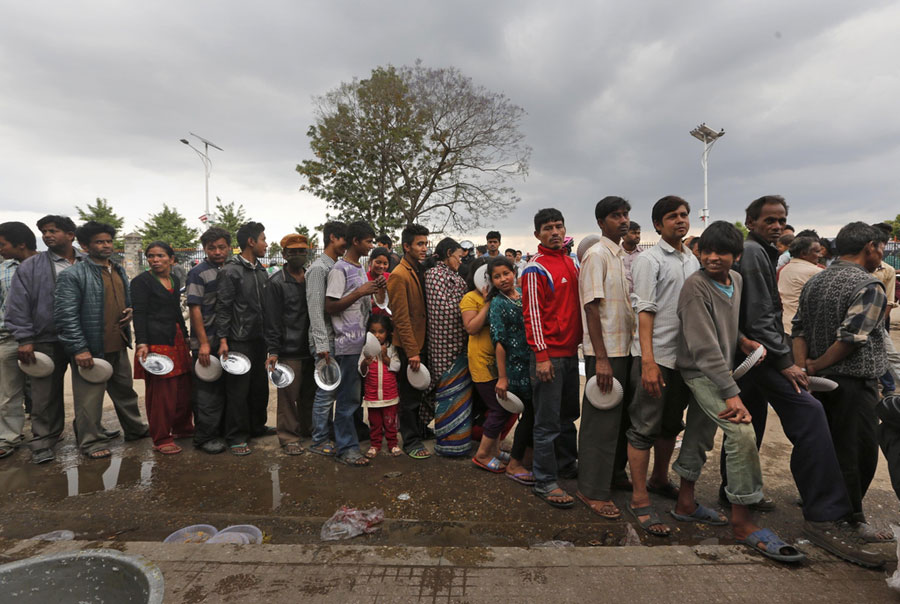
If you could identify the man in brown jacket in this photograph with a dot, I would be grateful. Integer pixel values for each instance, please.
(406, 296)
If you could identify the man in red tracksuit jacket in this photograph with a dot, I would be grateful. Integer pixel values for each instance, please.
(553, 329)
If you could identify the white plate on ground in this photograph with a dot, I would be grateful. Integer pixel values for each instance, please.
(820, 384)
(232, 537)
(421, 379)
(481, 278)
(158, 364)
(210, 373)
(372, 347)
(511, 403)
(282, 376)
(99, 373)
(42, 367)
(749, 363)
(255, 535)
(196, 533)
(327, 376)
(603, 401)
(236, 363)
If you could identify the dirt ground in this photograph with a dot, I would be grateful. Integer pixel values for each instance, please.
(140, 495)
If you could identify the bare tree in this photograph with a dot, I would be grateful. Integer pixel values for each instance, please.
(415, 144)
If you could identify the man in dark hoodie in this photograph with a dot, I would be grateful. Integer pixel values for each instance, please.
(240, 307)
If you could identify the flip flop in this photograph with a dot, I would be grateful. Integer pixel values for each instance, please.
(546, 495)
(6, 451)
(293, 449)
(702, 515)
(168, 449)
(372, 452)
(419, 454)
(240, 449)
(598, 509)
(325, 448)
(396, 451)
(649, 522)
(494, 465)
(670, 491)
(99, 454)
(870, 534)
(353, 459)
(775, 548)
(504, 456)
(526, 478)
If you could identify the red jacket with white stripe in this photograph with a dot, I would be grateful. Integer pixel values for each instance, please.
(550, 304)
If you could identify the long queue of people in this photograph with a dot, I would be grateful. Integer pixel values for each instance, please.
(467, 349)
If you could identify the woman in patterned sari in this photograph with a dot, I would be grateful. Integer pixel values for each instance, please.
(447, 340)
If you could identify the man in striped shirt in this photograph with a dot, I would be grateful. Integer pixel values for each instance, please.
(209, 397)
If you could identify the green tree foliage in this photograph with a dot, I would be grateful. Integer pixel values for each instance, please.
(740, 226)
(415, 144)
(312, 238)
(274, 250)
(170, 226)
(228, 217)
(895, 226)
(102, 211)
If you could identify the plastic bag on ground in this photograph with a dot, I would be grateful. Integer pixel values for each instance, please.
(894, 580)
(347, 523)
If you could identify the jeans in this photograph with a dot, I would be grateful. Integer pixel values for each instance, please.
(744, 473)
(814, 463)
(349, 399)
(555, 412)
(602, 448)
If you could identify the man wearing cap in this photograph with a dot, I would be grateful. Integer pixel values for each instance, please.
(201, 289)
(17, 243)
(287, 342)
(92, 310)
(29, 318)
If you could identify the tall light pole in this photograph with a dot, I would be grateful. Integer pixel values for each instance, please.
(207, 164)
(708, 137)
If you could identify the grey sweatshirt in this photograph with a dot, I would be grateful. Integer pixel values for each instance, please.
(709, 331)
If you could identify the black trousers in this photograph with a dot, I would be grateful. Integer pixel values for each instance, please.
(853, 421)
(247, 395)
(208, 402)
(814, 463)
(410, 399)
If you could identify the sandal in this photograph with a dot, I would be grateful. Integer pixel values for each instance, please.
(494, 465)
(372, 452)
(168, 449)
(420, 453)
(325, 448)
(669, 491)
(396, 451)
(503, 456)
(353, 458)
(772, 546)
(870, 534)
(650, 522)
(702, 515)
(606, 510)
(293, 449)
(526, 478)
(240, 449)
(560, 493)
(99, 454)
(6, 451)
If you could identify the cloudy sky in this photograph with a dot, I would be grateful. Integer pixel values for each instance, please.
(94, 97)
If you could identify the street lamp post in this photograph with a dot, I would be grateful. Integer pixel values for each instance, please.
(207, 163)
(708, 137)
